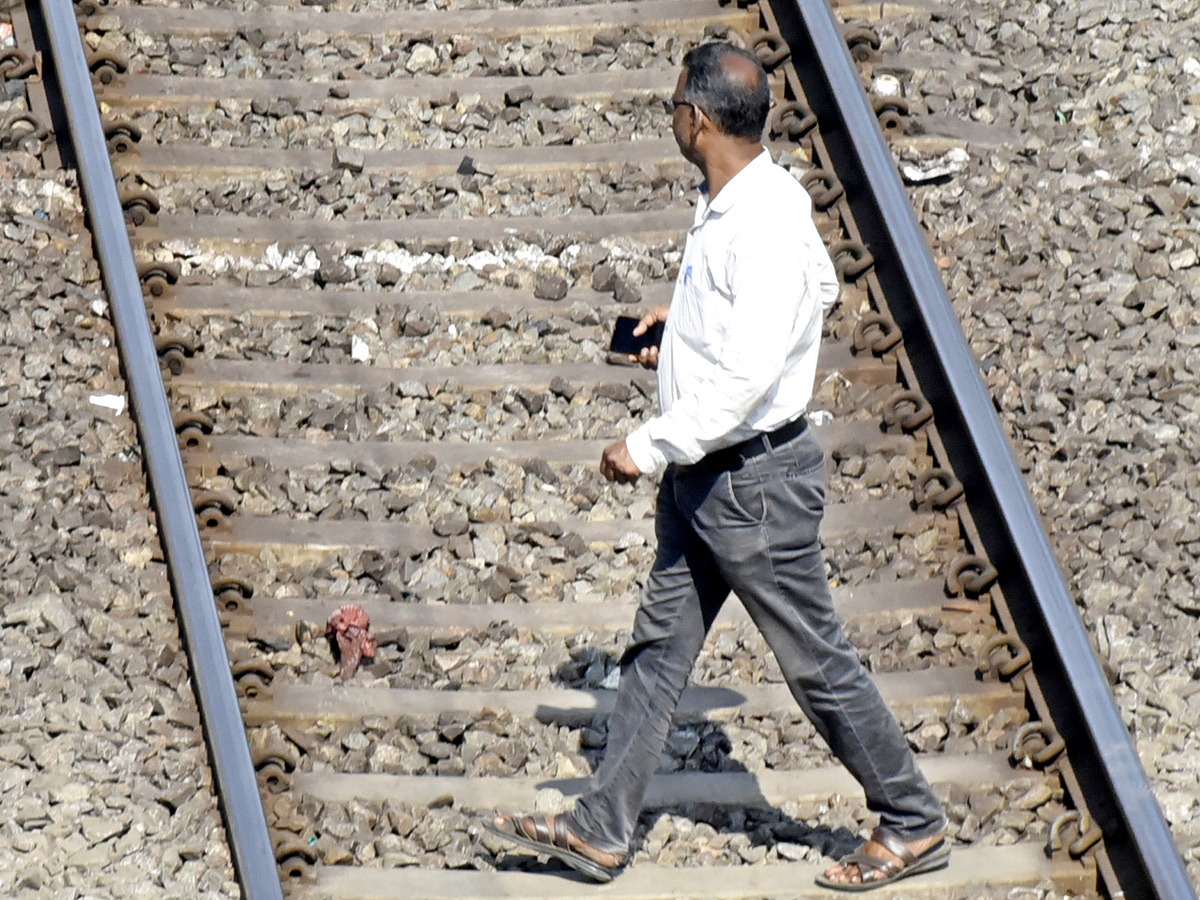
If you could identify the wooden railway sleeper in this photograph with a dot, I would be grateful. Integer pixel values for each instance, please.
(105, 66)
(20, 129)
(907, 410)
(1088, 834)
(1019, 656)
(876, 332)
(1051, 741)
(15, 63)
(770, 48)
(121, 135)
(852, 258)
(970, 574)
(937, 489)
(824, 188)
(792, 120)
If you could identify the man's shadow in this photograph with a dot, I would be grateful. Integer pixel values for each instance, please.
(696, 751)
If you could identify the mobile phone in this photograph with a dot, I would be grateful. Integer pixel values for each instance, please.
(623, 340)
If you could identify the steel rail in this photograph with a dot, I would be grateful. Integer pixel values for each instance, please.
(253, 857)
(1137, 840)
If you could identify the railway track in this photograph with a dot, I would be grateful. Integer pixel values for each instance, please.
(381, 250)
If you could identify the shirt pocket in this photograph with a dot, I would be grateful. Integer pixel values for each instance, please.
(704, 312)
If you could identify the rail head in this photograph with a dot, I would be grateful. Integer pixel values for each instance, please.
(1137, 839)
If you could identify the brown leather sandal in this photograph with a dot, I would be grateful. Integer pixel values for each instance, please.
(554, 841)
(876, 872)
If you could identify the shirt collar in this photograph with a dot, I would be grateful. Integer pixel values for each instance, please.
(736, 186)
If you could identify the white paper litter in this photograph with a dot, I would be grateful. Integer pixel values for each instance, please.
(115, 402)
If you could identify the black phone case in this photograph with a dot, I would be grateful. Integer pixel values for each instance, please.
(623, 340)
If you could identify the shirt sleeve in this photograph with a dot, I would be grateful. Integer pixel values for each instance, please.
(778, 288)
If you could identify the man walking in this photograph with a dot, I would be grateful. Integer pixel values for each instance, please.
(742, 496)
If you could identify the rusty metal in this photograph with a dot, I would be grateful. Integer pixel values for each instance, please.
(173, 352)
(191, 418)
(193, 438)
(1051, 740)
(18, 130)
(1018, 656)
(970, 574)
(193, 429)
(271, 775)
(891, 113)
(769, 47)
(936, 488)
(295, 858)
(851, 257)
(121, 135)
(876, 333)
(214, 500)
(1087, 835)
(213, 509)
(15, 63)
(281, 752)
(253, 686)
(792, 120)
(229, 596)
(140, 205)
(212, 517)
(105, 66)
(907, 410)
(823, 186)
(225, 590)
(862, 41)
(252, 673)
(158, 276)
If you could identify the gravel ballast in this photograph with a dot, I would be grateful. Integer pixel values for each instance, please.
(105, 779)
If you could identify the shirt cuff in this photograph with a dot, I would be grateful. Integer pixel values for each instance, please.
(642, 452)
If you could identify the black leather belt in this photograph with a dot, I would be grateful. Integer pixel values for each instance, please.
(734, 457)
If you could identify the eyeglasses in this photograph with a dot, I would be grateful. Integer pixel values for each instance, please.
(671, 104)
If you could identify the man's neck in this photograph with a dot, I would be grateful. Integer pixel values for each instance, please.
(722, 167)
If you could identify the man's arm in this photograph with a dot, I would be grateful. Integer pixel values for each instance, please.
(615, 463)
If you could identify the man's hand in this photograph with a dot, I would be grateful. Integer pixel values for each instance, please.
(617, 465)
(648, 356)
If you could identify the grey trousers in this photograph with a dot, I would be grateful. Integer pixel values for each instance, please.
(753, 530)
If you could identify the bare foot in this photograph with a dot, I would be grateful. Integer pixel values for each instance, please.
(851, 873)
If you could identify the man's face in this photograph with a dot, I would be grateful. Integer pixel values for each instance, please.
(683, 120)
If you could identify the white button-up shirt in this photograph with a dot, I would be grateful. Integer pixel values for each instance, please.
(739, 351)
